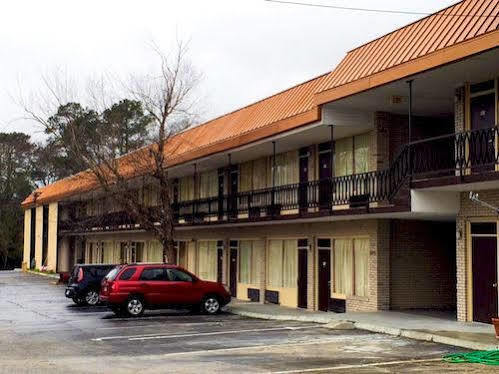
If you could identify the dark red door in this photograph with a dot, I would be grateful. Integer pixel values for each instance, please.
(302, 277)
(233, 272)
(484, 265)
(482, 144)
(325, 174)
(303, 189)
(324, 278)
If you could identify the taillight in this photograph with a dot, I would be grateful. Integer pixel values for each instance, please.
(80, 275)
(113, 286)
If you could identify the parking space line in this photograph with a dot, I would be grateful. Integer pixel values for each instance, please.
(156, 336)
(359, 366)
(159, 324)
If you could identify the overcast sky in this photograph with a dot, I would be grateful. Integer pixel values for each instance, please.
(246, 49)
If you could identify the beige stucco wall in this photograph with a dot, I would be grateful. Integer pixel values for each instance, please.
(38, 236)
(52, 237)
(27, 238)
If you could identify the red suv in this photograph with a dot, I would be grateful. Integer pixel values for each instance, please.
(130, 289)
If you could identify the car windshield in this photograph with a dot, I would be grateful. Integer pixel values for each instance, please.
(112, 274)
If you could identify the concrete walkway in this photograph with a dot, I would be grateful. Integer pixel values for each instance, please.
(428, 326)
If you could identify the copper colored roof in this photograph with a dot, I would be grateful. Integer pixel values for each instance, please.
(458, 31)
(449, 27)
(281, 112)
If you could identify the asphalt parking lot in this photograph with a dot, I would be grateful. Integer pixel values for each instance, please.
(43, 332)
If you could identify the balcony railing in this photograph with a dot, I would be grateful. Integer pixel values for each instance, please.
(459, 154)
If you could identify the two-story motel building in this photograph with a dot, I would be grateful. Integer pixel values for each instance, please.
(346, 192)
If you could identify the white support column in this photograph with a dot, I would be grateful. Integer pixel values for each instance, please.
(38, 236)
(27, 240)
(52, 237)
(263, 271)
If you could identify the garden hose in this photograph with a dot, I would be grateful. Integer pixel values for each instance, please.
(477, 357)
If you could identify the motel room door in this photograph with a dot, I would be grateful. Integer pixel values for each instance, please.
(233, 268)
(484, 271)
(302, 272)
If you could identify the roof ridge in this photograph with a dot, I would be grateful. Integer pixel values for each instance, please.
(407, 25)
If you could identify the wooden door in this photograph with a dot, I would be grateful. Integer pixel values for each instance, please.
(324, 260)
(220, 261)
(303, 189)
(484, 269)
(233, 272)
(302, 277)
(325, 174)
(482, 144)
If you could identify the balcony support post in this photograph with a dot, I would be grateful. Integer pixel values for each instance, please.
(409, 82)
(331, 165)
(272, 198)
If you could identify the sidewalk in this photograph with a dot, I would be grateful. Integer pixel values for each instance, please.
(438, 327)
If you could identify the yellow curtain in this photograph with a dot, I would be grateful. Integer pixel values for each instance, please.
(155, 252)
(290, 266)
(361, 254)
(361, 153)
(191, 257)
(343, 157)
(108, 252)
(343, 266)
(207, 260)
(286, 168)
(245, 176)
(260, 173)
(256, 253)
(274, 276)
(245, 261)
(186, 188)
(208, 184)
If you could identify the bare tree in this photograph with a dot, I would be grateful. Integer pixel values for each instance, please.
(169, 98)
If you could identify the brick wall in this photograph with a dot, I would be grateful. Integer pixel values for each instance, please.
(422, 265)
(469, 210)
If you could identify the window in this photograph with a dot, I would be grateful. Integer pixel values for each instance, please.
(153, 274)
(208, 260)
(282, 263)
(127, 274)
(155, 253)
(186, 188)
(208, 184)
(351, 267)
(351, 155)
(286, 168)
(131, 252)
(249, 266)
(176, 275)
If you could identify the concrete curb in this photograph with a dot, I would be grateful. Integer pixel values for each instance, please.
(53, 276)
(410, 334)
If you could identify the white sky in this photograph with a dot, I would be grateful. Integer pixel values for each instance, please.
(246, 49)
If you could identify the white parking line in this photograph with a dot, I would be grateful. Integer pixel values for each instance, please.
(156, 336)
(159, 325)
(359, 366)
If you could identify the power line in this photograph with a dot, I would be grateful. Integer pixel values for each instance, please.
(373, 10)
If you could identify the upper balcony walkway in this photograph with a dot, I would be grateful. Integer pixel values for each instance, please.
(452, 159)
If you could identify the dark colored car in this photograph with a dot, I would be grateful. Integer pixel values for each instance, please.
(131, 289)
(84, 283)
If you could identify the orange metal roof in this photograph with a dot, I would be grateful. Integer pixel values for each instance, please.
(283, 111)
(458, 23)
(458, 31)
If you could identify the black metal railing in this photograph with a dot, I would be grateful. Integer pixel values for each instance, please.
(468, 152)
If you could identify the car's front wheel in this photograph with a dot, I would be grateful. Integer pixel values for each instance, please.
(92, 297)
(210, 305)
(135, 306)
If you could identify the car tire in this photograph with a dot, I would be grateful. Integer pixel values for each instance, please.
(92, 297)
(79, 301)
(134, 306)
(210, 305)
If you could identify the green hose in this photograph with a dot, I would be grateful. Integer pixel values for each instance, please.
(478, 357)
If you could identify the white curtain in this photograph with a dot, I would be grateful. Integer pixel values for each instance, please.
(286, 168)
(208, 260)
(260, 173)
(361, 255)
(361, 153)
(343, 266)
(246, 176)
(245, 261)
(290, 265)
(155, 252)
(343, 157)
(256, 254)
(108, 252)
(208, 184)
(186, 188)
(274, 274)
